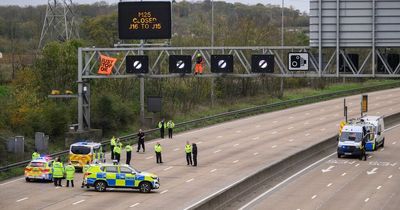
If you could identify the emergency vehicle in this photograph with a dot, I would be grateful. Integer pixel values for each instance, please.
(351, 140)
(102, 176)
(82, 153)
(39, 169)
(375, 129)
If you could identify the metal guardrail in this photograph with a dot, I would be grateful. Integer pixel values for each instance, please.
(236, 113)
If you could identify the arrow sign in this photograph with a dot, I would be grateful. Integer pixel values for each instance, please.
(328, 169)
(373, 171)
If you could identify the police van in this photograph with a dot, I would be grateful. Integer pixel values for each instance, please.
(351, 140)
(82, 153)
(375, 129)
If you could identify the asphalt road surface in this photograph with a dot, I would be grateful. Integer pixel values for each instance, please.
(227, 153)
(345, 183)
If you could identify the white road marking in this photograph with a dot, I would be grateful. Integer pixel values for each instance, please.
(235, 161)
(134, 205)
(10, 181)
(149, 157)
(163, 191)
(58, 187)
(306, 123)
(217, 151)
(22, 199)
(370, 156)
(199, 142)
(322, 129)
(273, 188)
(274, 132)
(357, 164)
(290, 140)
(330, 184)
(394, 142)
(291, 117)
(235, 145)
(275, 122)
(78, 202)
(382, 149)
(166, 169)
(212, 171)
(256, 153)
(274, 146)
(290, 128)
(379, 187)
(313, 197)
(189, 180)
(255, 138)
(366, 200)
(307, 113)
(238, 131)
(176, 149)
(344, 174)
(373, 171)
(378, 112)
(257, 126)
(328, 169)
(389, 177)
(218, 137)
(307, 134)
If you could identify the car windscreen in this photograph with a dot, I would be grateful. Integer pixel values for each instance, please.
(36, 164)
(80, 150)
(351, 136)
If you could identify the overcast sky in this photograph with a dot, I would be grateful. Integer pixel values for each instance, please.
(302, 5)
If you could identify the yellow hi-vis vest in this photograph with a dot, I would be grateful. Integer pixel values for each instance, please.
(128, 148)
(70, 172)
(113, 143)
(117, 149)
(58, 170)
(170, 124)
(35, 155)
(157, 148)
(188, 148)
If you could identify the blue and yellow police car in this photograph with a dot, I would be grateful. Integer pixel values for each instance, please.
(102, 176)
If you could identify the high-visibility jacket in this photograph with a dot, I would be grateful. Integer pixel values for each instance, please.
(113, 143)
(157, 148)
(85, 168)
(70, 172)
(161, 124)
(128, 148)
(58, 170)
(117, 149)
(188, 148)
(35, 155)
(170, 124)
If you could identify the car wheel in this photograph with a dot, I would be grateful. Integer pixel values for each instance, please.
(27, 179)
(145, 187)
(383, 143)
(100, 186)
(338, 155)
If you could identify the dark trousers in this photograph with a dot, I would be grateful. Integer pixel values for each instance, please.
(128, 157)
(72, 183)
(140, 143)
(194, 159)
(117, 156)
(57, 182)
(112, 153)
(162, 133)
(189, 158)
(170, 133)
(158, 157)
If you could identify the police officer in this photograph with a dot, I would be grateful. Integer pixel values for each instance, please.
(84, 169)
(363, 143)
(140, 140)
(112, 143)
(158, 150)
(58, 172)
(194, 152)
(170, 126)
(188, 150)
(161, 126)
(128, 149)
(117, 151)
(70, 173)
(35, 155)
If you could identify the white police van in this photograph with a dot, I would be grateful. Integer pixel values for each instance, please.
(376, 128)
(351, 140)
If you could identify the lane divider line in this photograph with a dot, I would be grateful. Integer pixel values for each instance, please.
(22, 199)
(163, 191)
(235, 161)
(379, 187)
(344, 174)
(212, 171)
(274, 146)
(256, 153)
(313, 197)
(235, 145)
(366, 200)
(149, 157)
(389, 177)
(11, 181)
(134, 205)
(330, 184)
(189, 180)
(78, 202)
(217, 151)
(166, 169)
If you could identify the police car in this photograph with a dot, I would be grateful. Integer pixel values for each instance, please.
(102, 176)
(39, 169)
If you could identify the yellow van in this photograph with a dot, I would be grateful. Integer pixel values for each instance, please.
(82, 153)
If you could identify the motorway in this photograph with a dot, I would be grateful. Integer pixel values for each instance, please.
(342, 183)
(227, 153)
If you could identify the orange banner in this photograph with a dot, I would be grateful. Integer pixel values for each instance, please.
(106, 64)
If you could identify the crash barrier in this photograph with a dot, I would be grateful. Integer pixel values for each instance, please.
(235, 114)
(249, 184)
